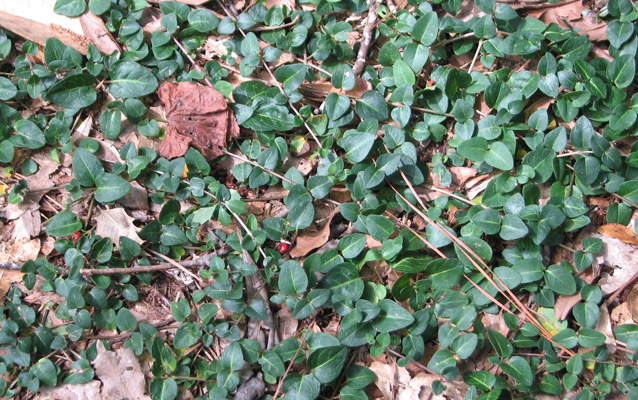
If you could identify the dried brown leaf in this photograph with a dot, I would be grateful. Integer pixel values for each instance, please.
(114, 223)
(95, 29)
(120, 373)
(309, 240)
(200, 116)
(620, 232)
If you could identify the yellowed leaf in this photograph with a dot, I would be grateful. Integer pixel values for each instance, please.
(620, 232)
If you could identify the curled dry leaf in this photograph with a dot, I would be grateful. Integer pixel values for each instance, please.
(620, 232)
(198, 115)
(308, 240)
(120, 373)
(84, 391)
(114, 223)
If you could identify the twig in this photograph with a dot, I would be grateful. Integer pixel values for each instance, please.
(359, 64)
(290, 366)
(197, 67)
(244, 159)
(274, 28)
(618, 291)
(10, 265)
(478, 51)
(199, 262)
(125, 335)
(175, 263)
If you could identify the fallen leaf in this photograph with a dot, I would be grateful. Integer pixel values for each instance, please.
(199, 115)
(136, 199)
(95, 29)
(84, 391)
(620, 232)
(620, 255)
(120, 373)
(621, 315)
(114, 223)
(389, 375)
(309, 240)
(573, 15)
(287, 323)
(460, 175)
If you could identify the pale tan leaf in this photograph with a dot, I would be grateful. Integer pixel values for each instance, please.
(114, 223)
(620, 232)
(84, 391)
(622, 257)
(120, 373)
(389, 376)
(95, 29)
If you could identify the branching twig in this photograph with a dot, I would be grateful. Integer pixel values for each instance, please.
(360, 63)
(199, 262)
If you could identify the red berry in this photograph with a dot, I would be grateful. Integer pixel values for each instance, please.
(76, 236)
(283, 248)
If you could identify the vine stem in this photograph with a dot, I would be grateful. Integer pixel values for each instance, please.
(303, 339)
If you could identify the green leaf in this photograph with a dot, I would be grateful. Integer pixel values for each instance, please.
(488, 221)
(86, 167)
(163, 389)
(352, 245)
(125, 320)
(444, 272)
(629, 190)
(622, 70)
(70, 8)
(319, 186)
(203, 20)
(442, 360)
(590, 337)
(518, 368)
(500, 344)
(426, 29)
(45, 371)
(7, 89)
(187, 335)
(499, 156)
(474, 149)
(372, 105)
(173, 236)
(232, 357)
(483, 380)
(272, 364)
(392, 317)
(359, 376)
(403, 74)
(464, 345)
(63, 224)
(110, 188)
(513, 228)
(326, 363)
(560, 280)
(292, 278)
(75, 91)
(357, 145)
(551, 385)
(291, 76)
(130, 79)
(28, 135)
(379, 227)
(301, 387)
(587, 170)
(619, 32)
(111, 124)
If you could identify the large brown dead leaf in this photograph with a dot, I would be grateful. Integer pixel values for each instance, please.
(114, 223)
(120, 373)
(199, 115)
(308, 240)
(620, 232)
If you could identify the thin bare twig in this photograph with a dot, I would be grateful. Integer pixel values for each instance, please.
(360, 63)
(199, 262)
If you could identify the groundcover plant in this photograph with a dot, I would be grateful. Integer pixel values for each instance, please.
(322, 199)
